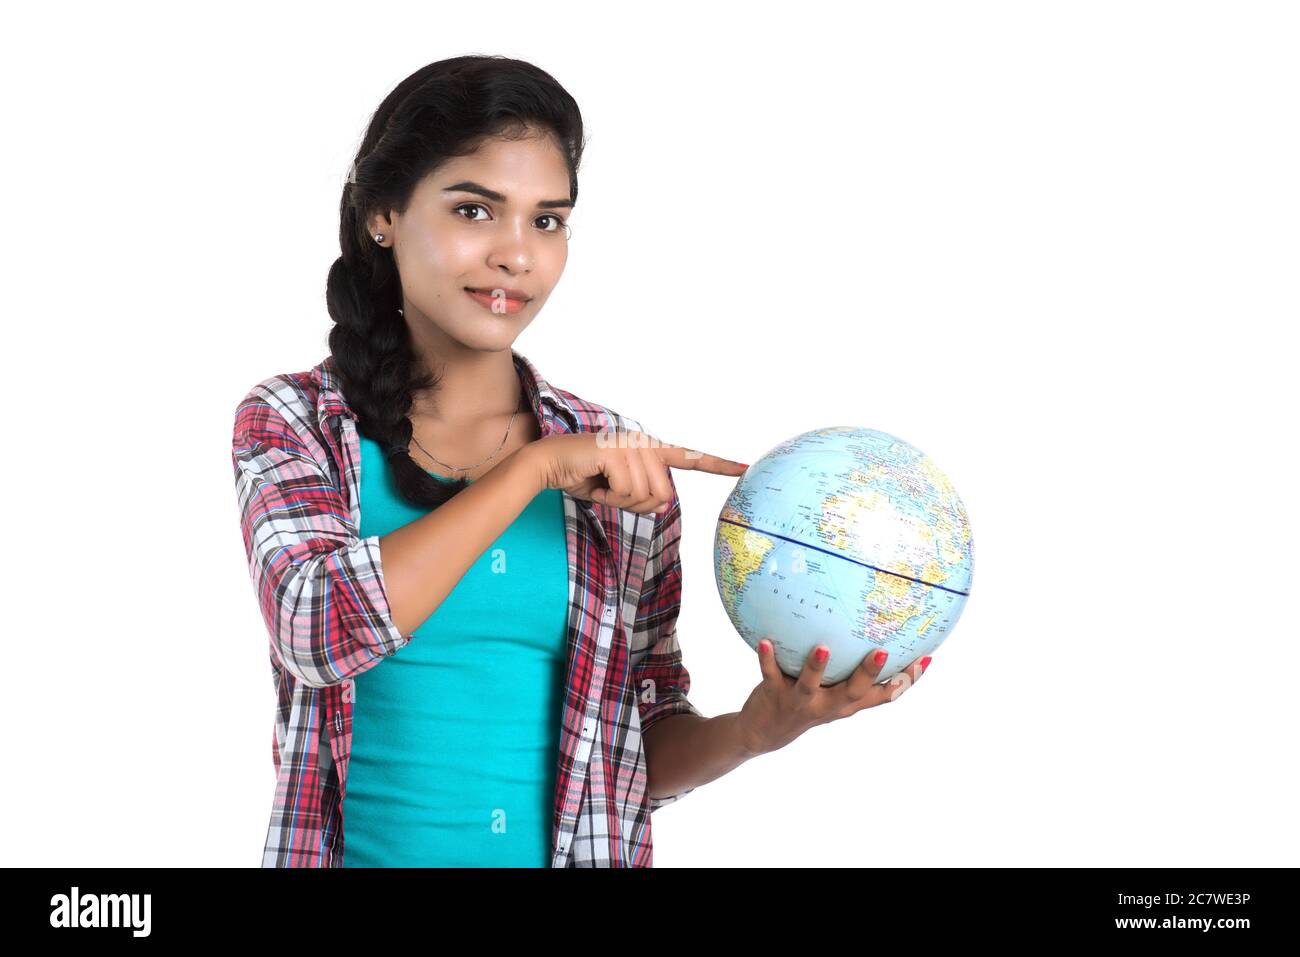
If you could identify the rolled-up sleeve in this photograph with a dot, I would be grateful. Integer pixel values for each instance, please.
(661, 679)
(319, 585)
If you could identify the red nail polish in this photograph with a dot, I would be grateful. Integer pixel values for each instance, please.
(763, 646)
(823, 654)
(925, 663)
(879, 657)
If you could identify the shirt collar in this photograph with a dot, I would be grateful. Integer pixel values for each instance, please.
(552, 410)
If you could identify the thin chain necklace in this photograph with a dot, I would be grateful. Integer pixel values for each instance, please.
(457, 468)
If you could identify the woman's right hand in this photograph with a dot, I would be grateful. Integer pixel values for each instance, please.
(626, 470)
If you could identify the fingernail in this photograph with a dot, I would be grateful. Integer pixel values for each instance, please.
(764, 645)
(880, 656)
(822, 653)
(742, 465)
(925, 663)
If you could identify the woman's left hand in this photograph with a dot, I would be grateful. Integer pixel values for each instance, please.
(782, 708)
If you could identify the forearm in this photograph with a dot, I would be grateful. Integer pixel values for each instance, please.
(686, 750)
(423, 561)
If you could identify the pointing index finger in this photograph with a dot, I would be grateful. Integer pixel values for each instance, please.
(679, 457)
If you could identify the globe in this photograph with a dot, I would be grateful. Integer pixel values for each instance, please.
(847, 537)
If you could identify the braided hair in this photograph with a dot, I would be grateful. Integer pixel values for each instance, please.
(440, 111)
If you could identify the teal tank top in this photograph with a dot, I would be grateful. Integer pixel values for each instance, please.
(455, 737)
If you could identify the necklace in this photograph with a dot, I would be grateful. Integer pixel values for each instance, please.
(466, 468)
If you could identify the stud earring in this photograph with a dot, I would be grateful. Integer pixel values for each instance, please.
(379, 238)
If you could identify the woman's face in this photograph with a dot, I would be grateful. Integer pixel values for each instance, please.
(491, 221)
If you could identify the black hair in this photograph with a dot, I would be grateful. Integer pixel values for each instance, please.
(441, 111)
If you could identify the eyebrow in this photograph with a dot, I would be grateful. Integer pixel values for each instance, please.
(471, 187)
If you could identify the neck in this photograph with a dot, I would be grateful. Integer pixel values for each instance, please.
(473, 384)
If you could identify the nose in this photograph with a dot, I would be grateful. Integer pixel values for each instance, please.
(513, 251)
(513, 264)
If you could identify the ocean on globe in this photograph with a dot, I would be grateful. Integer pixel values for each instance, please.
(847, 537)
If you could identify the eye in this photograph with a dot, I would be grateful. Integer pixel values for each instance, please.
(559, 223)
(470, 206)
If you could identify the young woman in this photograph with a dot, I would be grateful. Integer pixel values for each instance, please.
(469, 576)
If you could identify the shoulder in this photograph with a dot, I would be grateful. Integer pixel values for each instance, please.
(594, 417)
(283, 402)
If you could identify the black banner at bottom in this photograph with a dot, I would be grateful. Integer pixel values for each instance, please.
(893, 906)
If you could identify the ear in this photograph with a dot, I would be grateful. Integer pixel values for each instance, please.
(380, 223)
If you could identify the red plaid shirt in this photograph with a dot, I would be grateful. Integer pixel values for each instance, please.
(321, 591)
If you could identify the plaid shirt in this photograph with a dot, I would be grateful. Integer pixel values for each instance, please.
(321, 591)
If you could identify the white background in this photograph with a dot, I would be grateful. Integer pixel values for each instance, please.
(1052, 245)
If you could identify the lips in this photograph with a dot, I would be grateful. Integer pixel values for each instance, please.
(503, 305)
(516, 294)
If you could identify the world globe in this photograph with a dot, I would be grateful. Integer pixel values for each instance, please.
(846, 537)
